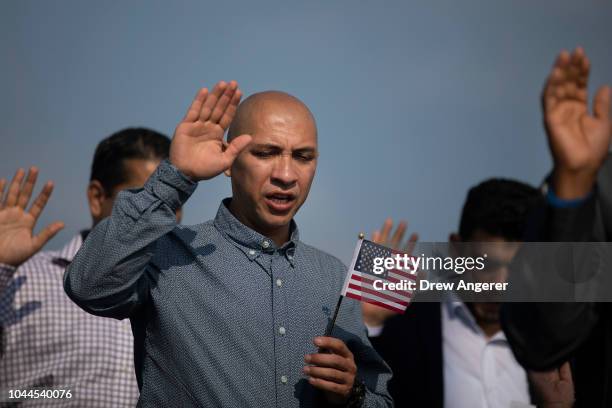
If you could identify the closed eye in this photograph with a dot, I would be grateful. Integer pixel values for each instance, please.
(306, 157)
(264, 153)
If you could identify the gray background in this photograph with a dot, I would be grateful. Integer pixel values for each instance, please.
(415, 101)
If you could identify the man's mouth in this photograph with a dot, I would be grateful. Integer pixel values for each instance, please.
(280, 202)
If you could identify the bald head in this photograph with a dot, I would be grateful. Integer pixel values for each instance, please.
(272, 175)
(270, 107)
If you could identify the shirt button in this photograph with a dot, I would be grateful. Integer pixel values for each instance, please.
(265, 244)
(282, 331)
(251, 252)
(279, 283)
(284, 379)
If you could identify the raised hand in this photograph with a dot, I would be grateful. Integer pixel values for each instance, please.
(375, 316)
(578, 139)
(17, 239)
(198, 149)
(394, 241)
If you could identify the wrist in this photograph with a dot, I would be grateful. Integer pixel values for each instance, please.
(182, 171)
(357, 395)
(9, 264)
(6, 266)
(170, 185)
(573, 185)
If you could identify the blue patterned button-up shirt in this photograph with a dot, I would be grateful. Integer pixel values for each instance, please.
(222, 316)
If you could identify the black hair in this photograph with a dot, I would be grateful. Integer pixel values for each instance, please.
(130, 143)
(498, 207)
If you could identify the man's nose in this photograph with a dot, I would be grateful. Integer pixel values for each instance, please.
(284, 170)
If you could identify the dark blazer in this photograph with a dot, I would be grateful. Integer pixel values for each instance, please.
(577, 332)
(412, 345)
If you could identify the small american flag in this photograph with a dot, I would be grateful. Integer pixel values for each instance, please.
(359, 283)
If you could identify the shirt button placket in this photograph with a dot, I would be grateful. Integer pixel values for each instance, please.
(277, 266)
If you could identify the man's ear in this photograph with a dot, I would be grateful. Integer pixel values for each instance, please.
(96, 196)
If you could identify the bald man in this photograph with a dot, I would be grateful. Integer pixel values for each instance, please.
(230, 312)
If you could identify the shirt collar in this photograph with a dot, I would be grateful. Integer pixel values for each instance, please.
(458, 310)
(68, 252)
(251, 242)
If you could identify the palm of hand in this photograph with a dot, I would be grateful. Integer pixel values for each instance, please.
(16, 237)
(554, 387)
(198, 149)
(578, 140)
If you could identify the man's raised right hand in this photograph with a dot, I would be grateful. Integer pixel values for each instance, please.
(198, 149)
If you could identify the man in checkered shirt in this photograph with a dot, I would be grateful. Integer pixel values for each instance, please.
(48, 342)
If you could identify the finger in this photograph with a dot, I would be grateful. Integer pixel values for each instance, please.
(228, 116)
(411, 243)
(334, 345)
(571, 90)
(223, 102)
(28, 186)
(329, 360)
(582, 94)
(46, 234)
(565, 372)
(386, 229)
(563, 59)
(583, 79)
(40, 202)
(2, 185)
(561, 70)
(329, 374)
(376, 237)
(575, 65)
(196, 106)
(236, 146)
(398, 235)
(329, 386)
(555, 79)
(560, 92)
(577, 57)
(601, 103)
(13, 191)
(211, 101)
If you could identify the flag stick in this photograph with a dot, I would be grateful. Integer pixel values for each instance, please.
(330, 326)
(332, 322)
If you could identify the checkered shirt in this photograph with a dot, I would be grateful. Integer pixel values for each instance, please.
(48, 342)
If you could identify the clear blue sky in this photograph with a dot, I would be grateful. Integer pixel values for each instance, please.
(415, 101)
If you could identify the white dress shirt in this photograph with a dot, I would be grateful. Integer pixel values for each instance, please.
(478, 371)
